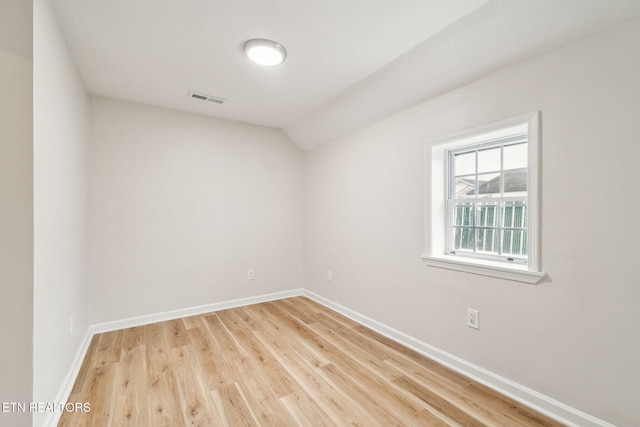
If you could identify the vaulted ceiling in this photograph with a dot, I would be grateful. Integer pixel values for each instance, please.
(349, 62)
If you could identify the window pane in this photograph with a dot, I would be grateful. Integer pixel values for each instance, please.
(514, 215)
(515, 182)
(462, 221)
(462, 214)
(463, 238)
(514, 242)
(486, 233)
(465, 187)
(487, 240)
(489, 160)
(515, 156)
(488, 184)
(464, 164)
(487, 215)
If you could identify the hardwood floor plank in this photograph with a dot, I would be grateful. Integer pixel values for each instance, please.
(373, 347)
(297, 360)
(154, 337)
(250, 320)
(109, 348)
(162, 386)
(275, 378)
(419, 359)
(261, 380)
(193, 394)
(206, 352)
(163, 396)
(475, 398)
(303, 333)
(451, 392)
(383, 413)
(192, 322)
(296, 309)
(350, 343)
(283, 363)
(99, 391)
(414, 370)
(503, 410)
(73, 418)
(384, 391)
(441, 405)
(323, 392)
(426, 418)
(375, 373)
(225, 349)
(131, 389)
(257, 375)
(220, 419)
(236, 410)
(319, 308)
(305, 411)
(132, 337)
(281, 334)
(176, 333)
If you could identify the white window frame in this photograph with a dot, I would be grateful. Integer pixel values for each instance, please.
(437, 158)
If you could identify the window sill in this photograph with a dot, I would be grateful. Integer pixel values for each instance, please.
(518, 273)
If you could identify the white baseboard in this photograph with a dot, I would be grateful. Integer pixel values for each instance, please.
(538, 401)
(531, 398)
(52, 418)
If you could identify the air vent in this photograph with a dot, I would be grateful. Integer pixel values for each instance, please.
(209, 98)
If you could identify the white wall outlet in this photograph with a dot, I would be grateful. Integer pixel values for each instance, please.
(473, 318)
(329, 276)
(251, 274)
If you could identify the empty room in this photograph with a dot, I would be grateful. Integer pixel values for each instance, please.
(319, 213)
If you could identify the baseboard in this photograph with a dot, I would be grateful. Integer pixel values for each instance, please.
(538, 401)
(531, 398)
(52, 418)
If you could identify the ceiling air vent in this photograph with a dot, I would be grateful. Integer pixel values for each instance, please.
(209, 98)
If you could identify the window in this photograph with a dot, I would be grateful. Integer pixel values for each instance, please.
(487, 199)
(484, 201)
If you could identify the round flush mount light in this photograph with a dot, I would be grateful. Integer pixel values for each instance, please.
(264, 52)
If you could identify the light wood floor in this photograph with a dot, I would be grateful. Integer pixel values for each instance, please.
(291, 362)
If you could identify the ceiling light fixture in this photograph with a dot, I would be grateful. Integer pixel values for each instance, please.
(264, 52)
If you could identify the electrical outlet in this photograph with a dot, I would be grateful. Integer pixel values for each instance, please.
(251, 274)
(329, 276)
(473, 318)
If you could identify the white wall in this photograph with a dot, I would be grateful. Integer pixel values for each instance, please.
(60, 122)
(181, 206)
(16, 206)
(573, 337)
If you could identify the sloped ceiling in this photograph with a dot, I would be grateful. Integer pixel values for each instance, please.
(349, 62)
